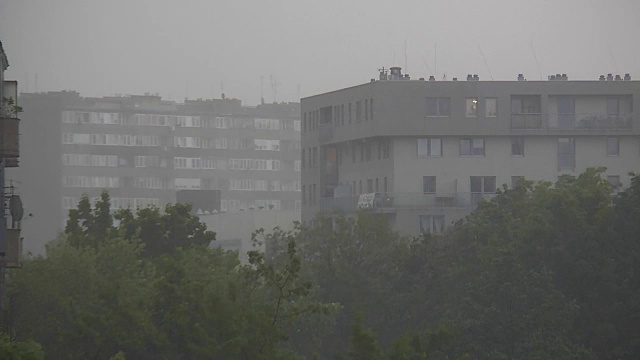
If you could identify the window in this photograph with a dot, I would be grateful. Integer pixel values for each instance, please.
(302, 159)
(315, 156)
(304, 194)
(385, 184)
(377, 185)
(304, 122)
(481, 186)
(430, 147)
(366, 110)
(517, 146)
(431, 223)
(613, 146)
(360, 186)
(472, 147)
(349, 113)
(438, 106)
(566, 154)
(369, 185)
(358, 111)
(491, 107)
(371, 109)
(472, 107)
(368, 151)
(429, 184)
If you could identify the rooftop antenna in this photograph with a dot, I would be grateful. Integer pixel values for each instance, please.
(435, 59)
(261, 89)
(536, 58)
(485, 63)
(274, 87)
(613, 58)
(426, 65)
(406, 64)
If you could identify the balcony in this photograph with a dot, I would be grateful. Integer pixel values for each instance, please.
(385, 202)
(326, 133)
(526, 121)
(590, 121)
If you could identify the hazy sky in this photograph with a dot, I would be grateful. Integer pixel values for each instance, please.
(192, 47)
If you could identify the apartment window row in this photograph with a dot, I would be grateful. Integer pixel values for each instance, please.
(432, 147)
(149, 161)
(253, 164)
(309, 157)
(110, 139)
(234, 205)
(441, 107)
(115, 202)
(91, 182)
(225, 143)
(309, 195)
(248, 185)
(89, 160)
(83, 117)
(150, 183)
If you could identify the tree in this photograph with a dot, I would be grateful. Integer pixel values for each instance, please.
(11, 350)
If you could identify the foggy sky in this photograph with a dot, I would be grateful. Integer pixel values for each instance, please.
(192, 47)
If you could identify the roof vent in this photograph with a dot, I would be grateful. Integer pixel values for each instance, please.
(469, 77)
(476, 77)
(602, 78)
(521, 77)
(609, 77)
(618, 78)
(627, 77)
(552, 78)
(421, 79)
(455, 79)
(373, 80)
(565, 77)
(432, 78)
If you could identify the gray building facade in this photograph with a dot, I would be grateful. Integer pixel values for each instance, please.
(427, 151)
(143, 149)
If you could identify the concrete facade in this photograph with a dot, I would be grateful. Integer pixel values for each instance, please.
(143, 149)
(468, 137)
(233, 230)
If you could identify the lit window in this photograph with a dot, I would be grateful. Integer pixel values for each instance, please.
(472, 107)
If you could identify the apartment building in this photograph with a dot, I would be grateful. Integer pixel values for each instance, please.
(422, 153)
(143, 149)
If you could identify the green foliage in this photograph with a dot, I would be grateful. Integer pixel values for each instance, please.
(27, 350)
(542, 271)
(9, 108)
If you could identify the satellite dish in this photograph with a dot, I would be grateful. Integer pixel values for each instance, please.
(15, 207)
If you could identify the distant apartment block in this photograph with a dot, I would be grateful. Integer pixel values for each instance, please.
(423, 153)
(143, 149)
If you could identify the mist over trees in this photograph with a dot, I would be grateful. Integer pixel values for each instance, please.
(542, 271)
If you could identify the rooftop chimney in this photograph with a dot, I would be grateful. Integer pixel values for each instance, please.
(455, 79)
(476, 77)
(432, 78)
(618, 78)
(565, 77)
(552, 77)
(396, 73)
(602, 78)
(627, 77)
(421, 79)
(609, 77)
(469, 77)
(521, 77)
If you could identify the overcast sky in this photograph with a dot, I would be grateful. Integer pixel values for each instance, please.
(194, 47)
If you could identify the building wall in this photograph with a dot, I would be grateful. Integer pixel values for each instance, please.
(400, 115)
(142, 149)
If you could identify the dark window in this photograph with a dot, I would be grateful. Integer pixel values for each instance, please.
(472, 147)
(566, 154)
(517, 146)
(385, 184)
(613, 146)
(371, 109)
(429, 184)
(515, 180)
(369, 185)
(430, 147)
(431, 223)
(366, 110)
(438, 106)
(349, 113)
(377, 183)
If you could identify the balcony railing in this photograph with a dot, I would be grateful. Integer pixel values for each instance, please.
(591, 121)
(326, 133)
(393, 201)
(526, 121)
